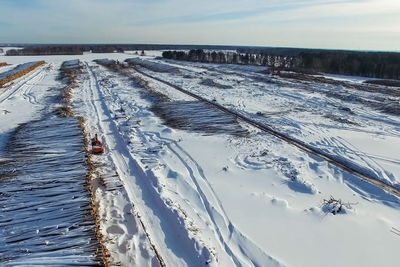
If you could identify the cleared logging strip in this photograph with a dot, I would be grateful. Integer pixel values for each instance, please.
(20, 73)
(110, 64)
(71, 76)
(92, 175)
(387, 187)
(106, 256)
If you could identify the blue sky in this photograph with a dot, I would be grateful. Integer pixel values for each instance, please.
(353, 24)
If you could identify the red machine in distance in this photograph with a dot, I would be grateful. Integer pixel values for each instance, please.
(97, 146)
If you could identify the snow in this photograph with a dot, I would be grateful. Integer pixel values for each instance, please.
(309, 115)
(6, 68)
(147, 53)
(196, 197)
(153, 66)
(355, 79)
(19, 103)
(16, 69)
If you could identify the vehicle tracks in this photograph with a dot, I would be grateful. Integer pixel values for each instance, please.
(301, 145)
(37, 75)
(212, 215)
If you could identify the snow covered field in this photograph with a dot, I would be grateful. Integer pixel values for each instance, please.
(183, 184)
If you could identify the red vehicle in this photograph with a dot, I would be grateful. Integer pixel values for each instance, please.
(97, 146)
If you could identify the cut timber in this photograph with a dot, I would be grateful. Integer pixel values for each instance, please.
(20, 73)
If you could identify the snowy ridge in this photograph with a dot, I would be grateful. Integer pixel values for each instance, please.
(152, 192)
(129, 171)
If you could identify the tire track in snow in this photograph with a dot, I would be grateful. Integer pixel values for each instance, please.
(369, 160)
(310, 127)
(162, 223)
(22, 83)
(27, 93)
(222, 225)
(299, 144)
(242, 251)
(96, 117)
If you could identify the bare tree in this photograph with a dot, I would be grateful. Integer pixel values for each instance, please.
(335, 206)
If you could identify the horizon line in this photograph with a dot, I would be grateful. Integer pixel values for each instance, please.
(16, 44)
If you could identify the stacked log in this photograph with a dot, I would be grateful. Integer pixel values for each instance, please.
(20, 73)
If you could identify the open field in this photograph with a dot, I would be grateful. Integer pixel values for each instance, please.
(187, 179)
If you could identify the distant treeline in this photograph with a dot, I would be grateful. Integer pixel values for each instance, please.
(50, 50)
(63, 50)
(276, 51)
(107, 48)
(384, 65)
(125, 47)
(78, 49)
(231, 58)
(369, 64)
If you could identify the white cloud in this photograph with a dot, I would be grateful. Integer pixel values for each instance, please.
(365, 24)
